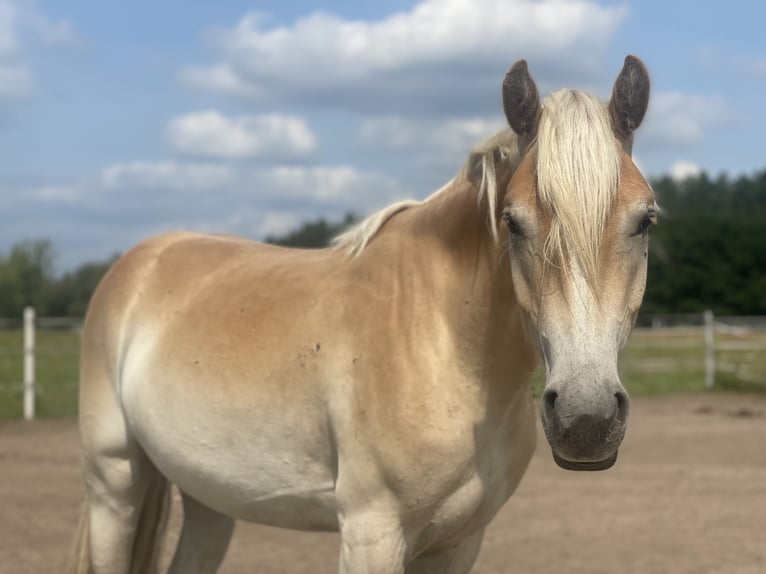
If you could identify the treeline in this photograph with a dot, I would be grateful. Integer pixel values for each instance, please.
(708, 252)
(27, 278)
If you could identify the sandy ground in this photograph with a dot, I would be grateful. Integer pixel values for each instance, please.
(688, 495)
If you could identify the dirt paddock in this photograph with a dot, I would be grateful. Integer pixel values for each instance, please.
(688, 495)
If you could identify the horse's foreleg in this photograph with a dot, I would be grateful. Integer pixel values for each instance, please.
(204, 539)
(458, 559)
(372, 543)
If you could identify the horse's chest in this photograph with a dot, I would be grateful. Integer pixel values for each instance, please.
(498, 469)
(498, 460)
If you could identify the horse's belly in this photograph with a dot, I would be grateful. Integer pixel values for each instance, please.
(269, 488)
(253, 462)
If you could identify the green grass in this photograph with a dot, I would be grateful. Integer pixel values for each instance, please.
(654, 362)
(673, 360)
(56, 366)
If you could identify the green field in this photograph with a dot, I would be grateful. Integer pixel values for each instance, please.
(654, 362)
(56, 369)
(671, 360)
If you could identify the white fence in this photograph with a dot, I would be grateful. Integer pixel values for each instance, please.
(31, 351)
(739, 348)
(720, 349)
(29, 363)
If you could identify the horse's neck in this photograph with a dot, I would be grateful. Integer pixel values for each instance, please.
(455, 223)
(451, 239)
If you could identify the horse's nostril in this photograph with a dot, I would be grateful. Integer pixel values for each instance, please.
(549, 397)
(622, 402)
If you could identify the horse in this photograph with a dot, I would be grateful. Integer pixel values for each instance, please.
(379, 387)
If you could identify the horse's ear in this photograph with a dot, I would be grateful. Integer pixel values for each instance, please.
(521, 101)
(630, 98)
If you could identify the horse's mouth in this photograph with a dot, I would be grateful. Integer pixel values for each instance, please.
(597, 465)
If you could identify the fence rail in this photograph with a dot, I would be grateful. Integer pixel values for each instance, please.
(39, 357)
(719, 351)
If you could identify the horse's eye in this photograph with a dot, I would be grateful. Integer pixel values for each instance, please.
(513, 225)
(649, 220)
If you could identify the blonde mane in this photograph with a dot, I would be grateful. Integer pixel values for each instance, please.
(355, 239)
(491, 161)
(578, 171)
(490, 167)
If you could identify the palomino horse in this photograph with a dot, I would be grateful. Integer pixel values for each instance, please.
(379, 387)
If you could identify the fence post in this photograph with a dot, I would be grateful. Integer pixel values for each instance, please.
(29, 363)
(709, 350)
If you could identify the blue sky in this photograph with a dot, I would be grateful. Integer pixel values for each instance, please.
(119, 120)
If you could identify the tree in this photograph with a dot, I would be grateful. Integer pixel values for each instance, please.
(70, 295)
(709, 251)
(24, 276)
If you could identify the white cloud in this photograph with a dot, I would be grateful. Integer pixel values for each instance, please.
(18, 23)
(221, 188)
(456, 135)
(718, 62)
(218, 78)
(439, 54)
(131, 201)
(8, 29)
(682, 169)
(15, 80)
(166, 175)
(91, 218)
(755, 68)
(681, 119)
(51, 32)
(432, 149)
(15, 77)
(57, 193)
(41, 196)
(276, 223)
(341, 185)
(212, 134)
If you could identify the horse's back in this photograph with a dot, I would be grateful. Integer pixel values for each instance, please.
(216, 376)
(219, 291)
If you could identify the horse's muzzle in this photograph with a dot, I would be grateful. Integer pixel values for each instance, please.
(585, 430)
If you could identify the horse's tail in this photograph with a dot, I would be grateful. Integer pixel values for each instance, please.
(79, 561)
(149, 536)
(150, 532)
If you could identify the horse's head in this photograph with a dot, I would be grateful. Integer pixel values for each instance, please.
(578, 212)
